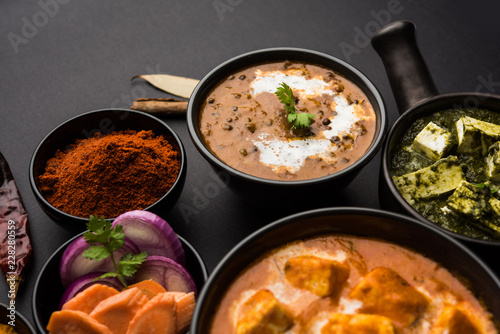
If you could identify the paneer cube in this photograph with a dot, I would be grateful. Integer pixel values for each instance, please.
(494, 222)
(495, 207)
(469, 138)
(493, 162)
(439, 178)
(384, 292)
(262, 314)
(322, 277)
(358, 324)
(475, 135)
(476, 204)
(469, 200)
(433, 142)
(457, 321)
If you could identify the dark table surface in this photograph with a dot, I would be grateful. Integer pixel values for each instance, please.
(60, 58)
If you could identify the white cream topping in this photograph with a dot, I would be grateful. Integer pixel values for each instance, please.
(318, 322)
(349, 306)
(291, 154)
(344, 120)
(289, 295)
(269, 82)
(297, 250)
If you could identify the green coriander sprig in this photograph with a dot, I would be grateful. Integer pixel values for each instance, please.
(487, 185)
(104, 240)
(285, 95)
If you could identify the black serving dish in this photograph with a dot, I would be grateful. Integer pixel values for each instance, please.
(417, 96)
(48, 288)
(371, 223)
(21, 324)
(258, 190)
(105, 121)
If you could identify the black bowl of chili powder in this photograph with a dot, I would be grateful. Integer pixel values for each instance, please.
(107, 162)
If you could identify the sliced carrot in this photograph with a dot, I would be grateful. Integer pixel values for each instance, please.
(149, 287)
(88, 299)
(75, 322)
(185, 308)
(117, 311)
(157, 316)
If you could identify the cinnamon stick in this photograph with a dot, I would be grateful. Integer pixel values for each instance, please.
(160, 106)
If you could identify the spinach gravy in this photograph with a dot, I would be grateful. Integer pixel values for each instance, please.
(244, 124)
(446, 166)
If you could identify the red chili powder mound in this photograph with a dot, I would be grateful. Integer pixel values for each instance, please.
(107, 175)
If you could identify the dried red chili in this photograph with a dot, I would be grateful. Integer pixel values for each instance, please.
(107, 175)
(15, 248)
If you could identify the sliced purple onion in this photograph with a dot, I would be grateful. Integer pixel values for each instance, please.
(151, 234)
(168, 273)
(84, 282)
(73, 265)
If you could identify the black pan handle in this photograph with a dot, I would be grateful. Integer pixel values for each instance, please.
(410, 79)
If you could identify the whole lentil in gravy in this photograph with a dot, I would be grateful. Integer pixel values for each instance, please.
(244, 124)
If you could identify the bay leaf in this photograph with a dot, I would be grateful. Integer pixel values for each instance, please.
(172, 84)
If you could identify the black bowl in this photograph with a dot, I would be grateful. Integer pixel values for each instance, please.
(402, 230)
(255, 189)
(84, 126)
(417, 96)
(21, 324)
(48, 288)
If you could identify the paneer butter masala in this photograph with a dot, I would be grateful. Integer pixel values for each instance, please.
(244, 124)
(343, 284)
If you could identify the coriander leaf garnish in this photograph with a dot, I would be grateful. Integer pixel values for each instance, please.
(303, 120)
(487, 185)
(96, 253)
(104, 240)
(129, 263)
(285, 95)
(110, 274)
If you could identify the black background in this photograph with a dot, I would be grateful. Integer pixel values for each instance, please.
(58, 61)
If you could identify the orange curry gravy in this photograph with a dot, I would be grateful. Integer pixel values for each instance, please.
(410, 282)
(244, 124)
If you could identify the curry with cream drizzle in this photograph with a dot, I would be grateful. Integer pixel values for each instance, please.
(243, 123)
(358, 285)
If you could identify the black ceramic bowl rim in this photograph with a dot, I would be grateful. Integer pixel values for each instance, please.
(223, 68)
(34, 307)
(21, 317)
(400, 122)
(232, 255)
(39, 195)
